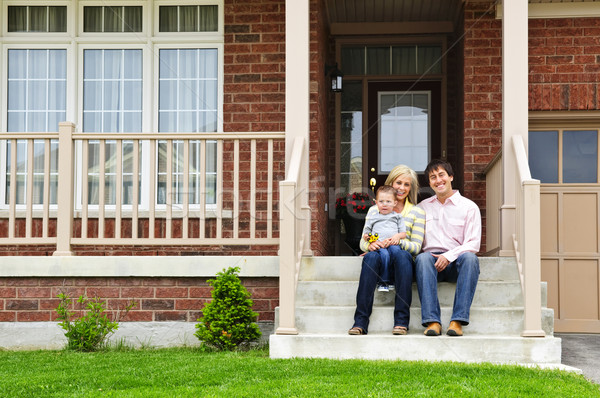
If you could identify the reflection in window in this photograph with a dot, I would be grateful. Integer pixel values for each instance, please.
(543, 156)
(403, 130)
(580, 156)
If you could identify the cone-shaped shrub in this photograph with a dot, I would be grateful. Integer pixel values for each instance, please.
(228, 320)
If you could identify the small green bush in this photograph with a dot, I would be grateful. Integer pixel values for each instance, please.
(228, 320)
(89, 331)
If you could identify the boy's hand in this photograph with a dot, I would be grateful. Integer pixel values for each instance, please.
(394, 240)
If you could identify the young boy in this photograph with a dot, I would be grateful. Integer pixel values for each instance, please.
(385, 224)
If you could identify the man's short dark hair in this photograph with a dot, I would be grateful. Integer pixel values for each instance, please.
(438, 164)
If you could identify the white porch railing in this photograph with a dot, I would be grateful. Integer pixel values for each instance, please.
(294, 217)
(239, 209)
(527, 241)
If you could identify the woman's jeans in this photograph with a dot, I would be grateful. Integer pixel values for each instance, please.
(464, 271)
(401, 268)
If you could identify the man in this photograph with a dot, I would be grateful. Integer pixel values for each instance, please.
(452, 237)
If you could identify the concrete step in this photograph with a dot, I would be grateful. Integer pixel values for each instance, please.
(484, 320)
(469, 348)
(333, 293)
(348, 269)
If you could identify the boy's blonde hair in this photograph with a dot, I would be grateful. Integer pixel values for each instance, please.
(386, 189)
(402, 170)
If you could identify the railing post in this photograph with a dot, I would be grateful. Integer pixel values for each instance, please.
(64, 218)
(531, 252)
(287, 258)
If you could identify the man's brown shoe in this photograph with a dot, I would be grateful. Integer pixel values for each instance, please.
(455, 329)
(433, 329)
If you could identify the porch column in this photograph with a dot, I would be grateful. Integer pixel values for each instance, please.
(297, 96)
(514, 109)
(64, 218)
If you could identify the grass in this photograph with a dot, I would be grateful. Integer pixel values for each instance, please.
(192, 372)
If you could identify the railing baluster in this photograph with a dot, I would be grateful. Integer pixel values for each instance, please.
(152, 199)
(46, 200)
(270, 190)
(202, 188)
(169, 189)
(118, 189)
(135, 188)
(219, 193)
(236, 188)
(13, 189)
(101, 188)
(186, 189)
(29, 200)
(253, 188)
(85, 146)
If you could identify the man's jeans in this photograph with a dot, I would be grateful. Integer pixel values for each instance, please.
(464, 271)
(401, 268)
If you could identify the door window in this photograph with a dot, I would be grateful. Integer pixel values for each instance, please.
(404, 130)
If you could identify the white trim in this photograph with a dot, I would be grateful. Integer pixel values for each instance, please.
(559, 10)
(217, 36)
(36, 35)
(140, 36)
(136, 266)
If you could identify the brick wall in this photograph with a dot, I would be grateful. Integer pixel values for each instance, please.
(157, 299)
(564, 61)
(482, 125)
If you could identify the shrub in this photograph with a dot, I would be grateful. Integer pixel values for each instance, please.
(228, 320)
(89, 331)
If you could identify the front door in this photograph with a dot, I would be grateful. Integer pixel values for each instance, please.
(404, 127)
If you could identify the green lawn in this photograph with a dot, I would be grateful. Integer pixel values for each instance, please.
(191, 373)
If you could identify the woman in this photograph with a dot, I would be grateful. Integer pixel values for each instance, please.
(404, 180)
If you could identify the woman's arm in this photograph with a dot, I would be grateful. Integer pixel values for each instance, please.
(415, 231)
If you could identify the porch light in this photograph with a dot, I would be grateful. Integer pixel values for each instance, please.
(336, 77)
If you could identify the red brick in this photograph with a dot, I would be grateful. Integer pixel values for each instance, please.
(21, 304)
(103, 292)
(8, 316)
(174, 292)
(155, 304)
(33, 316)
(8, 292)
(180, 316)
(137, 292)
(139, 316)
(189, 304)
(202, 292)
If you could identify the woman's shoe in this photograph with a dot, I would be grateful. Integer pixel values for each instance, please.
(399, 330)
(356, 330)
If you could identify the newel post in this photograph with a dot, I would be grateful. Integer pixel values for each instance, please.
(64, 217)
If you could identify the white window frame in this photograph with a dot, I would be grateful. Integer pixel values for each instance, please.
(33, 3)
(114, 37)
(203, 37)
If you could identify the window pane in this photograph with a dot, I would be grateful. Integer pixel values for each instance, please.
(17, 19)
(580, 156)
(57, 19)
(92, 19)
(353, 60)
(133, 19)
(188, 19)
(429, 60)
(209, 18)
(404, 60)
(38, 19)
(168, 19)
(543, 156)
(378, 61)
(113, 19)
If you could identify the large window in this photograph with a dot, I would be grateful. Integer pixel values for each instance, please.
(99, 70)
(564, 156)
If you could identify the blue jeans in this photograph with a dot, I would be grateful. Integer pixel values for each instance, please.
(384, 257)
(464, 271)
(402, 266)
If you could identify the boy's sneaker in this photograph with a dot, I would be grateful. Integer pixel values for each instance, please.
(383, 288)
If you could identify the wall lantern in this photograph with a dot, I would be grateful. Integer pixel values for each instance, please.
(336, 77)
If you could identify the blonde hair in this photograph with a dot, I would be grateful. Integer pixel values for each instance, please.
(402, 170)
